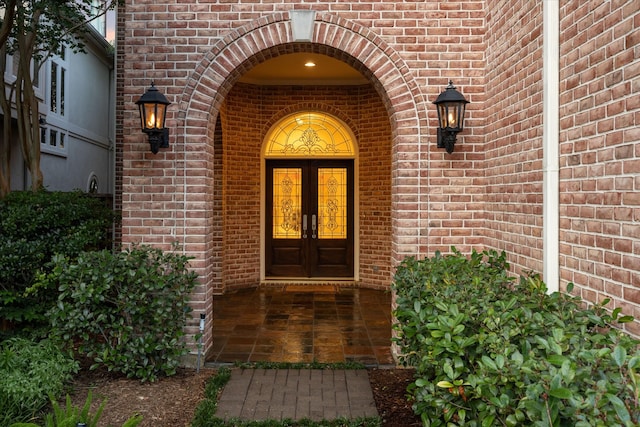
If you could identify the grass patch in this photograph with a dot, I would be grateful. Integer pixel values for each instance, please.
(206, 410)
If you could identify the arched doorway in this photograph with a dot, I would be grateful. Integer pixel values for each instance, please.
(218, 216)
(309, 205)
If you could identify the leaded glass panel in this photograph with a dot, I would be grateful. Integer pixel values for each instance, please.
(332, 203)
(287, 203)
(309, 134)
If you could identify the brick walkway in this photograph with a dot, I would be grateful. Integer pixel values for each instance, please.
(315, 394)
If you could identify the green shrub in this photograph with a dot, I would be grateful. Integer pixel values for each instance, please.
(489, 350)
(30, 372)
(33, 227)
(125, 310)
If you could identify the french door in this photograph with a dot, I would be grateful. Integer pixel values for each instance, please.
(309, 218)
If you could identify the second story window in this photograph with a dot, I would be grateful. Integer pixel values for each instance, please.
(57, 95)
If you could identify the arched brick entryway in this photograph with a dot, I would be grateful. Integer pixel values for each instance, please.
(194, 122)
(355, 45)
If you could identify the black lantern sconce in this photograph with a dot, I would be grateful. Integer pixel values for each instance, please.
(451, 105)
(153, 112)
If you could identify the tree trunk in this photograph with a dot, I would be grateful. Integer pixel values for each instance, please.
(5, 102)
(27, 107)
(5, 143)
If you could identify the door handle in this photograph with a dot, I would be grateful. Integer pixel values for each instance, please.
(313, 226)
(304, 226)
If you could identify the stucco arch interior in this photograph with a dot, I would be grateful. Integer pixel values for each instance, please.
(392, 99)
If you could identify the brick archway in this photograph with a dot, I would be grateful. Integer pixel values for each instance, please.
(245, 47)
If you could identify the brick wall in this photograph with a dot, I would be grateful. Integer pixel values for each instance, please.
(451, 187)
(600, 152)
(488, 193)
(513, 132)
(599, 118)
(195, 53)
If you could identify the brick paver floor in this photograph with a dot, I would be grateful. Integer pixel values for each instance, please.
(315, 394)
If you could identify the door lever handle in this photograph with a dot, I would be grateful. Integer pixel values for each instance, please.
(313, 226)
(304, 226)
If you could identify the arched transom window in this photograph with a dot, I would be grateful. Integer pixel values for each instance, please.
(309, 134)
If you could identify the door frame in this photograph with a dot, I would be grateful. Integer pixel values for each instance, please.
(356, 224)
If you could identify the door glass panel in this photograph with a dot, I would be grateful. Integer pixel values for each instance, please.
(287, 203)
(332, 203)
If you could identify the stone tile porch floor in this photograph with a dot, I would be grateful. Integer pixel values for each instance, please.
(302, 323)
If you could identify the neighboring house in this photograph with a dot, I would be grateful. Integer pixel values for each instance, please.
(547, 167)
(77, 94)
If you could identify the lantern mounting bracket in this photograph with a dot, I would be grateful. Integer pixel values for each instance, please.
(158, 139)
(446, 139)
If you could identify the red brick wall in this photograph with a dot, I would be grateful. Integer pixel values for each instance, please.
(600, 151)
(452, 47)
(488, 193)
(513, 132)
(599, 117)
(195, 52)
(249, 112)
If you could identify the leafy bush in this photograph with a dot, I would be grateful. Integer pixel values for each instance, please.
(490, 350)
(126, 310)
(29, 372)
(33, 227)
(70, 416)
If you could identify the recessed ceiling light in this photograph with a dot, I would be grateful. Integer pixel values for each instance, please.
(309, 64)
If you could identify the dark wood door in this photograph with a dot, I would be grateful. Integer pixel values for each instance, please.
(309, 218)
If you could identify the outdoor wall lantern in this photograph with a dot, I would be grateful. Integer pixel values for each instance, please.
(153, 112)
(451, 105)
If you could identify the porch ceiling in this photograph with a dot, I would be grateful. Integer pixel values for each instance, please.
(290, 69)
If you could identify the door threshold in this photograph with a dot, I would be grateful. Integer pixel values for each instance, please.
(294, 285)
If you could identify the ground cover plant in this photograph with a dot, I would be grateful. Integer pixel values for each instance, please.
(69, 415)
(30, 372)
(493, 350)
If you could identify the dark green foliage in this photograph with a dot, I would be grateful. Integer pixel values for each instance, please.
(489, 350)
(33, 227)
(125, 310)
(29, 373)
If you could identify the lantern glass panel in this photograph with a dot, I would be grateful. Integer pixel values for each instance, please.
(461, 108)
(453, 115)
(153, 116)
(161, 114)
(442, 115)
(142, 116)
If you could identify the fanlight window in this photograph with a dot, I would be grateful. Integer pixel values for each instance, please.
(309, 134)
